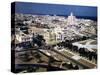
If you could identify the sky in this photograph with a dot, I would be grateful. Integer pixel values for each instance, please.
(56, 9)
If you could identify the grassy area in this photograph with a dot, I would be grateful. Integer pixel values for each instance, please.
(94, 50)
(91, 65)
(52, 42)
(37, 57)
(94, 42)
(83, 42)
(66, 53)
(41, 69)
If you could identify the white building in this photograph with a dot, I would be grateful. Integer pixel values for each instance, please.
(59, 33)
(71, 20)
(21, 37)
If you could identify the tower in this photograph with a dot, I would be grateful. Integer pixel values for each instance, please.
(71, 20)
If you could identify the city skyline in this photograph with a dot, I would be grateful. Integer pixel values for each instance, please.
(55, 9)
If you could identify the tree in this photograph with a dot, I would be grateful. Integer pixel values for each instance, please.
(84, 38)
(76, 67)
(75, 48)
(70, 66)
(39, 40)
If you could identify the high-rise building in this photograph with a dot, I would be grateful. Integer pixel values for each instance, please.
(71, 20)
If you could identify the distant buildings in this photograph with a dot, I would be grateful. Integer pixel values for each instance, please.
(54, 28)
